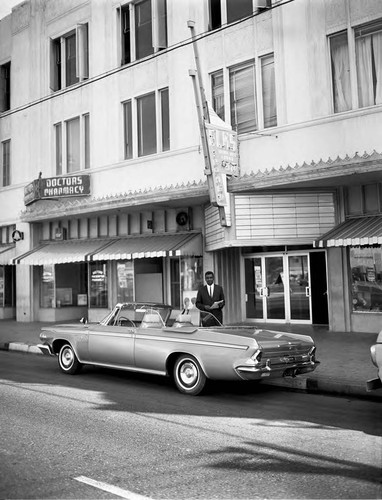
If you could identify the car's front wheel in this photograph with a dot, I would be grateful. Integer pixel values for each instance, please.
(188, 375)
(67, 360)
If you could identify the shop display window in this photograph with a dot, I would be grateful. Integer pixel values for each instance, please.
(366, 275)
(191, 278)
(98, 284)
(125, 281)
(63, 285)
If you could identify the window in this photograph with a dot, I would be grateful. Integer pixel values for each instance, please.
(364, 199)
(366, 275)
(98, 284)
(5, 87)
(153, 124)
(243, 98)
(7, 286)
(69, 58)
(6, 163)
(249, 109)
(228, 11)
(217, 83)
(365, 71)
(269, 91)
(63, 285)
(74, 135)
(143, 29)
(125, 281)
(146, 125)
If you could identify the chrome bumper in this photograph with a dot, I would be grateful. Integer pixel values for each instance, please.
(373, 384)
(46, 349)
(260, 372)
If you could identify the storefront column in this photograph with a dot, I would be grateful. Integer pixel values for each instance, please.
(24, 277)
(337, 290)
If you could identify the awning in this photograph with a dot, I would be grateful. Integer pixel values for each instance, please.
(7, 253)
(152, 246)
(113, 249)
(61, 253)
(353, 232)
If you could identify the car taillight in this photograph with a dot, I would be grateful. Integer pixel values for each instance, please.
(312, 353)
(257, 356)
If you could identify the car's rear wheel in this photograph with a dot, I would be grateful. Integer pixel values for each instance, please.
(188, 375)
(67, 360)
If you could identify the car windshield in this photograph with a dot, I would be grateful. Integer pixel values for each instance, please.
(134, 314)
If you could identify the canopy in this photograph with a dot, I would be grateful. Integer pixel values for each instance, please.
(152, 246)
(7, 253)
(353, 232)
(113, 249)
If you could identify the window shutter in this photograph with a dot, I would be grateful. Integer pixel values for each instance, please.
(82, 48)
(55, 66)
(159, 24)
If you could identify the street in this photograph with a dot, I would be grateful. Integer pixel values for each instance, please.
(111, 434)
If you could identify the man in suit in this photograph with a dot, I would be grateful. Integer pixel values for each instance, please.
(210, 299)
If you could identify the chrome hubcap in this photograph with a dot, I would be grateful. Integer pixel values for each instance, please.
(67, 358)
(188, 373)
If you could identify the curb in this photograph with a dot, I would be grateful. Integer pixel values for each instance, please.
(19, 346)
(308, 385)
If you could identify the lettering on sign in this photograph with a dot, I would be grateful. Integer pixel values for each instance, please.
(57, 187)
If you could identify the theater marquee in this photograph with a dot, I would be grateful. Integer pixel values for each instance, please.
(57, 187)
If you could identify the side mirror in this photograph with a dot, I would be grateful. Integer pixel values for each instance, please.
(84, 320)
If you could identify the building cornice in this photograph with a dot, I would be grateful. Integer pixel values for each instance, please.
(314, 173)
(70, 207)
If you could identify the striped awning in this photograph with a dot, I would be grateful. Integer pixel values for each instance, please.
(61, 253)
(152, 246)
(7, 253)
(353, 232)
(113, 249)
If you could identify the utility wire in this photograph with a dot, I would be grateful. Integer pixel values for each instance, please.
(183, 43)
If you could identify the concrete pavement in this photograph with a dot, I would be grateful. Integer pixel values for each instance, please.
(344, 369)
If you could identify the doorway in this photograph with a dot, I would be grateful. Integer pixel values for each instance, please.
(279, 287)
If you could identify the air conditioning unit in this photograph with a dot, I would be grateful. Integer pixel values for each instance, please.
(183, 219)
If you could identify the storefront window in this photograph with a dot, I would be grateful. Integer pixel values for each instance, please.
(125, 281)
(47, 287)
(9, 290)
(191, 278)
(98, 285)
(366, 268)
(1, 286)
(63, 285)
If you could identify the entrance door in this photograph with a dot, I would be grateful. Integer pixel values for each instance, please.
(278, 288)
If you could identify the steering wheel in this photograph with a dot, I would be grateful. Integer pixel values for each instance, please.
(127, 320)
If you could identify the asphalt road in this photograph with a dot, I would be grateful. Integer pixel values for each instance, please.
(109, 434)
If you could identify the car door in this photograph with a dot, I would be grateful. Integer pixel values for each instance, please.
(112, 344)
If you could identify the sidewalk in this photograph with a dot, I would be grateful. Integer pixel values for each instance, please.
(344, 369)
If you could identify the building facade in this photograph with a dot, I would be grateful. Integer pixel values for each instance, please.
(106, 194)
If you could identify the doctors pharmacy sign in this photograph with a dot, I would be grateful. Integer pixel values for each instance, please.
(57, 187)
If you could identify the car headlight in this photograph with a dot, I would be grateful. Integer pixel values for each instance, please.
(373, 354)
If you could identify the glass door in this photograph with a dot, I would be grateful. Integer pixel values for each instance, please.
(277, 288)
(299, 287)
(274, 288)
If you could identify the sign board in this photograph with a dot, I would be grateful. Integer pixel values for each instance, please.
(57, 187)
(224, 161)
(223, 150)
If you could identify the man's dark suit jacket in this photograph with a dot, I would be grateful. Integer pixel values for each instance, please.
(204, 299)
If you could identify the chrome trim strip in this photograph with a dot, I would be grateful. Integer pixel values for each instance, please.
(127, 368)
(195, 342)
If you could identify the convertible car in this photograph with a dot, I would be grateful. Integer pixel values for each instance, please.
(376, 359)
(151, 338)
